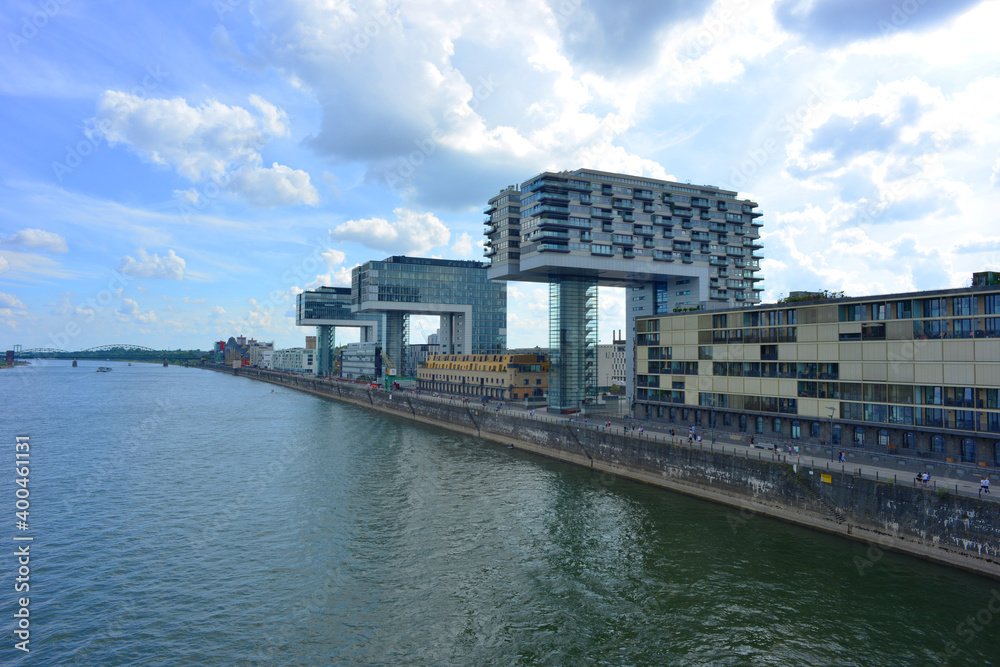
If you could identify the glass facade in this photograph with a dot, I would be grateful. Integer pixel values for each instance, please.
(572, 342)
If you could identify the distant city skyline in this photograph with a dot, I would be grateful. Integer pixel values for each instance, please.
(176, 174)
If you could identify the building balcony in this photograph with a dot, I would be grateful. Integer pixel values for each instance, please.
(548, 183)
(586, 199)
(700, 202)
(601, 213)
(718, 227)
(648, 243)
(582, 186)
(644, 230)
(648, 208)
(718, 261)
(552, 247)
(663, 255)
(735, 252)
(683, 246)
(701, 236)
(642, 194)
(718, 294)
(687, 259)
(489, 210)
(489, 252)
(663, 220)
(687, 224)
(683, 212)
(602, 250)
(618, 202)
(668, 233)
(553, 197)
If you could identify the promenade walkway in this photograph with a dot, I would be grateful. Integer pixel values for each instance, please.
(886, 470)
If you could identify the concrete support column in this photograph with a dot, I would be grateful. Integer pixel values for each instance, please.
(572, 342)
(325, 344)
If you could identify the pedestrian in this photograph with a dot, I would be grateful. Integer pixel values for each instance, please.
(796, 450)
(699, 438)
(984, 486)
(843, 458)
(753, 440)
(927, 478)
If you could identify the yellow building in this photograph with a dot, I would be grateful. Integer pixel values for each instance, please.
(915, 373)
(502, 376)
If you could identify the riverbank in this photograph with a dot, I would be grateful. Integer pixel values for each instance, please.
(888, 514)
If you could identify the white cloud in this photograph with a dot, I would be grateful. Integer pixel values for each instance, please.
(275, 186)
(4, 264)
(37, 239)
(10, 301)
(129, 311)
(153, 266)
(212, 141)
(333, 257)
(411, 233)
(465, 247)
(188, 299)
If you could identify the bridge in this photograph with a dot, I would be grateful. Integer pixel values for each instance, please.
(49, 351)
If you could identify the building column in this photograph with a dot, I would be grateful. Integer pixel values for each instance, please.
(325, 344)
(572, 342)
(396, 339)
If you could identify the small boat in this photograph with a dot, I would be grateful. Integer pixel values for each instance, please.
(104, 369)
(130, 363)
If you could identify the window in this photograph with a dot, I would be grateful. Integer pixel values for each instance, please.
(776, 426)
(859, 436)
(908, 440)
(937, 444)
(796, 430)
(743, 426)
(705, 352)
(836, 434)
(727, 420)
(759, 425)
(883, 437)
(814, 430)
(685, 414)
(968, 450)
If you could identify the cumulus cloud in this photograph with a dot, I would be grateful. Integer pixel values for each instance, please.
(153, 266)
(410, 233)
(4, 264)
(465, 247)
(212, 141)
(37, 239)
(10, 301)
(129, 311)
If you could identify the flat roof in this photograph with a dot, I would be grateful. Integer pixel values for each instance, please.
(897, 296)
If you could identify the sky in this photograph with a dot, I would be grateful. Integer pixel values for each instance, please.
(172, 174)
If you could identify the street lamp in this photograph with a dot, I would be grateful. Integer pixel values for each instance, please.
(832, 410)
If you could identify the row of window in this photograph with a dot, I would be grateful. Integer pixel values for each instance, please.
(781, 370)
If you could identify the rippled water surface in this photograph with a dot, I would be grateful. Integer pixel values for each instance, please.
(186, 517)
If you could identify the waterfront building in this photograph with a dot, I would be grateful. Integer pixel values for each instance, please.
(257, 352)
(296, 359)
(913, 373)
(472, 309)
(383, 295)
(327, 308)
(418, 353)
(672, 245)
(360, 361)
(499, 376)
(612, 365)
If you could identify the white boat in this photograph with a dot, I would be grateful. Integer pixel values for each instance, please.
(104, 369)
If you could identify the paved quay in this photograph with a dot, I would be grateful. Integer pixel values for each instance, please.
(890, 468)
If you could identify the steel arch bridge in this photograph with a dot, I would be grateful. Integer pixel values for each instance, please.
(100, 348)
(119, 346)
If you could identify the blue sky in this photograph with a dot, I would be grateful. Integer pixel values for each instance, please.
(174, 173)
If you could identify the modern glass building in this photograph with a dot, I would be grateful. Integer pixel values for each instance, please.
(472, 308)
(915, 373)
(673, 245)
(327, 308)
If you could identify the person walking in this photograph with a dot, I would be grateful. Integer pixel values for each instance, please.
(843, 459)
(984, 487)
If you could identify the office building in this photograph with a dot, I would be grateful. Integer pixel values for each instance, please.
(612, 365)
(327, 308)
(672, 245)
(914, 373)
(471, 308)
(497, 376)
(360, 361)
(296, 360)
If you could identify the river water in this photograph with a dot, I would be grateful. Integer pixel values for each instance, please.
(186, 517)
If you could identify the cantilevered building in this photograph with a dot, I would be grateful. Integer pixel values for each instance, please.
(383, 295)
(674, 246)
